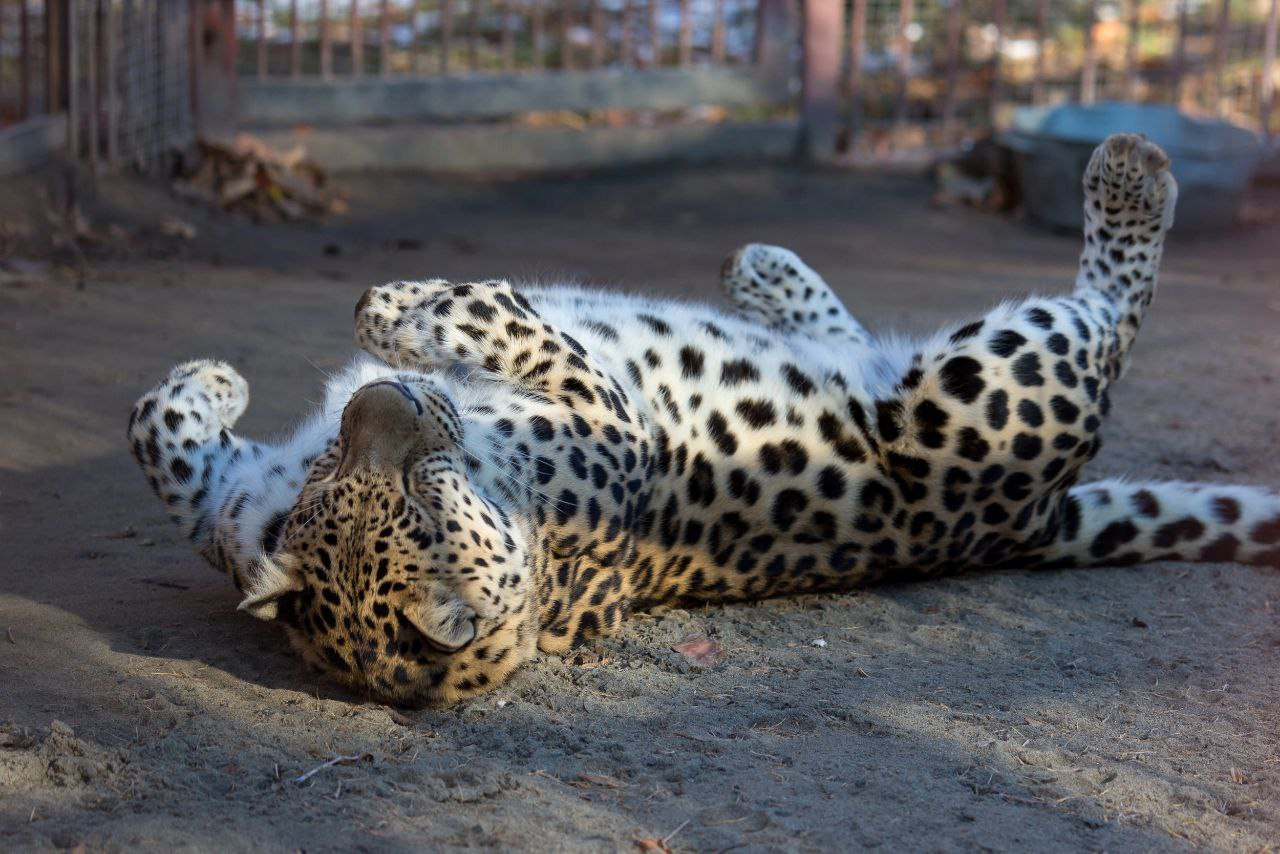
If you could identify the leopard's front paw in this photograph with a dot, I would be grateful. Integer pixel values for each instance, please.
(387, 318)
(1128, 179)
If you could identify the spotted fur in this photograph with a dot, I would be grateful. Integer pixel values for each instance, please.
(516, 471)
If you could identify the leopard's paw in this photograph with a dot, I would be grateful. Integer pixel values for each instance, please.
(1128, 184)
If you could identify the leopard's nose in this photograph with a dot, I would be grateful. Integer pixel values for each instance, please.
(365, 299)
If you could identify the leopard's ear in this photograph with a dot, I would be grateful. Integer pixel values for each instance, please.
(442, 617)
(276, 577)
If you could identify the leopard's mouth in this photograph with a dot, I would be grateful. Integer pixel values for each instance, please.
(402, 388)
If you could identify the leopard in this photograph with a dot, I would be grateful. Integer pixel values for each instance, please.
(505, 472)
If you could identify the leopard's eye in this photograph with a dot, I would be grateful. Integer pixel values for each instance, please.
(271, 533)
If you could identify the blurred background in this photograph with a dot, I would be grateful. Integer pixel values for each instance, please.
(485, 85)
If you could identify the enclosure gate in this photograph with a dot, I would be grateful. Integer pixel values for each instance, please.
(515, 84)
(106, 80)
(122, 81)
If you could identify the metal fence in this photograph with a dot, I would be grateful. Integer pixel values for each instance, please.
(115, 73)
(329, 37)
(24, 79)
(878, 75)
(884, 75)
(129, 95)
(874, 77)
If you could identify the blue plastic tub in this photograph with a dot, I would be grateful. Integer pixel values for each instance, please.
(1212, 160)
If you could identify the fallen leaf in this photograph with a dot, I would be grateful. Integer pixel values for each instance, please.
(1137, 623)
(702, 651)
(600, 780)
(172, 226)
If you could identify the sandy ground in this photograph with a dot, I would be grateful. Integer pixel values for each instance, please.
(1122, 710)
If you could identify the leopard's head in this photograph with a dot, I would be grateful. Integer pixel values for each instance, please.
(392, 573)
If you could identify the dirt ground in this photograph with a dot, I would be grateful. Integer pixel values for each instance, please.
(1119, 709)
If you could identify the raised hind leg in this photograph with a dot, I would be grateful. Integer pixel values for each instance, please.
(1032, 381)
(773, 286)
(1130, 197)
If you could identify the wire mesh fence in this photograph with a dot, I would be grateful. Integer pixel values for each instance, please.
(24, 82)
(128, 67)
(353, 37)
(927, 73)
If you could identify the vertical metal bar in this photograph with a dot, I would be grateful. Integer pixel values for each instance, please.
(1221, 32)
(24, 60)
(473, 41)
(686, 33)
(1038, 87)
(230, 34)
(1089, 67)
(820, 75)
(417, 41)
(262, 39)
(597, 34)
(954, 11)
(2, 39)
(655, 34)
(906, 11)
(55, 28)
(539, 35)
(446, 34)
(508, 35)
(92, 57)
(1131, 51)
(627, 39)
(73, 78)
(857, 52)
(135, 11)
(111, 31)
(776, 34)
(996, 91)
(1180, 54)
(384, 37)
(326, 41)
(717, 32)
(357, 39)
(566, 24)
(1269, 69)
(295, 39)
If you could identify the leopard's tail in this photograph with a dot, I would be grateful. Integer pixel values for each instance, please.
(1114, 522)
(180, 434)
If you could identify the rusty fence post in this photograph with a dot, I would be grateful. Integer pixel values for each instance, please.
(955, 9)
(1131, 50)
(820, 76)
(261, 47)
(1222, 31)
(684, 44)
(326, 41)
(1089, 68)
(996, 90)
(1180, 54)
(384, 36)
(1269, 69)
(776, 33)
(1038, 92)
(853, 85)
(295, 40)
(357, 39)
